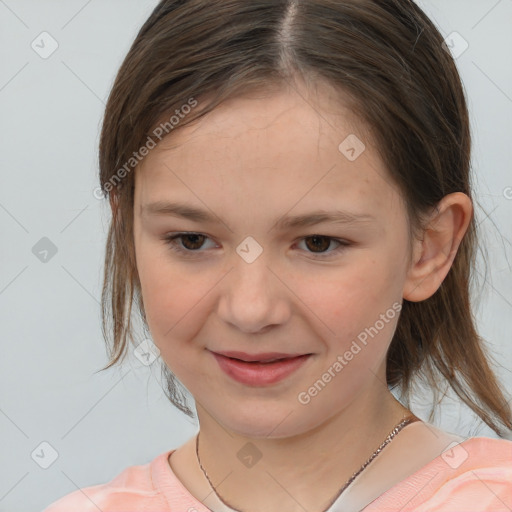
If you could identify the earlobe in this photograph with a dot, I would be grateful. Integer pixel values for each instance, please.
(433, 255)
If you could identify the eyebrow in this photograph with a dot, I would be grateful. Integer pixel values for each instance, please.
(197, 215)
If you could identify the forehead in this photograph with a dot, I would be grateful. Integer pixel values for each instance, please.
(285, 146)
(282, 117)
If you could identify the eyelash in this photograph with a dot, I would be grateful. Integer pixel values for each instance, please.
(170, 240)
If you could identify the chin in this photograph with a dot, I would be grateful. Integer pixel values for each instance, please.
(274, 421)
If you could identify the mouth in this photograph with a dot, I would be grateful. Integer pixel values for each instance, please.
(261, 362)
(262, 358)
(262, 369)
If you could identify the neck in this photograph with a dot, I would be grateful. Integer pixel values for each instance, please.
(301, 472)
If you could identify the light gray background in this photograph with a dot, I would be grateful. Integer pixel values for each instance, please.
(51, 111)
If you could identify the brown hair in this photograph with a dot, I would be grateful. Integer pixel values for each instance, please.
(387, 57)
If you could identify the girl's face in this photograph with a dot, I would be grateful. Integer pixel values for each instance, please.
(251, 281)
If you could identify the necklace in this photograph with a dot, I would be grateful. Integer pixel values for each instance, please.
(405, 421)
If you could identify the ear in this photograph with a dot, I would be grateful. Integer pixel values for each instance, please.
(433, 255)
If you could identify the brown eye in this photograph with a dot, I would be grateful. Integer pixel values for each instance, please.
(186, 243)
(318, 243)
(192, 242)
(317, 246)
(191, 245)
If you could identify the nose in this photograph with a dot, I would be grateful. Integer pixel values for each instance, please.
(254, 297)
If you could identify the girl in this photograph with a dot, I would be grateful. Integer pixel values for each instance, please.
(292, 213)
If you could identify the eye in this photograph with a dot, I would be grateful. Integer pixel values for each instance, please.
(190, 242)
(316, 245)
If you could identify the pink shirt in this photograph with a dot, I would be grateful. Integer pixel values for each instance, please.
(482, 483)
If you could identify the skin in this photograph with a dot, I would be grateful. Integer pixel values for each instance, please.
(250, 162)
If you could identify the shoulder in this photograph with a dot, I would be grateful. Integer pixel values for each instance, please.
(131, 489)
(473, 475)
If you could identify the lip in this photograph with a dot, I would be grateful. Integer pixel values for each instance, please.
(262, 357)
(256, 373)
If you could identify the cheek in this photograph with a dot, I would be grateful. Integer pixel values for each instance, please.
(169, 304)
(167, 293)
(355, 305)
(177, 301)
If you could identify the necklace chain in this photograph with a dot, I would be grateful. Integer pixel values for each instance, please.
(405, 421)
